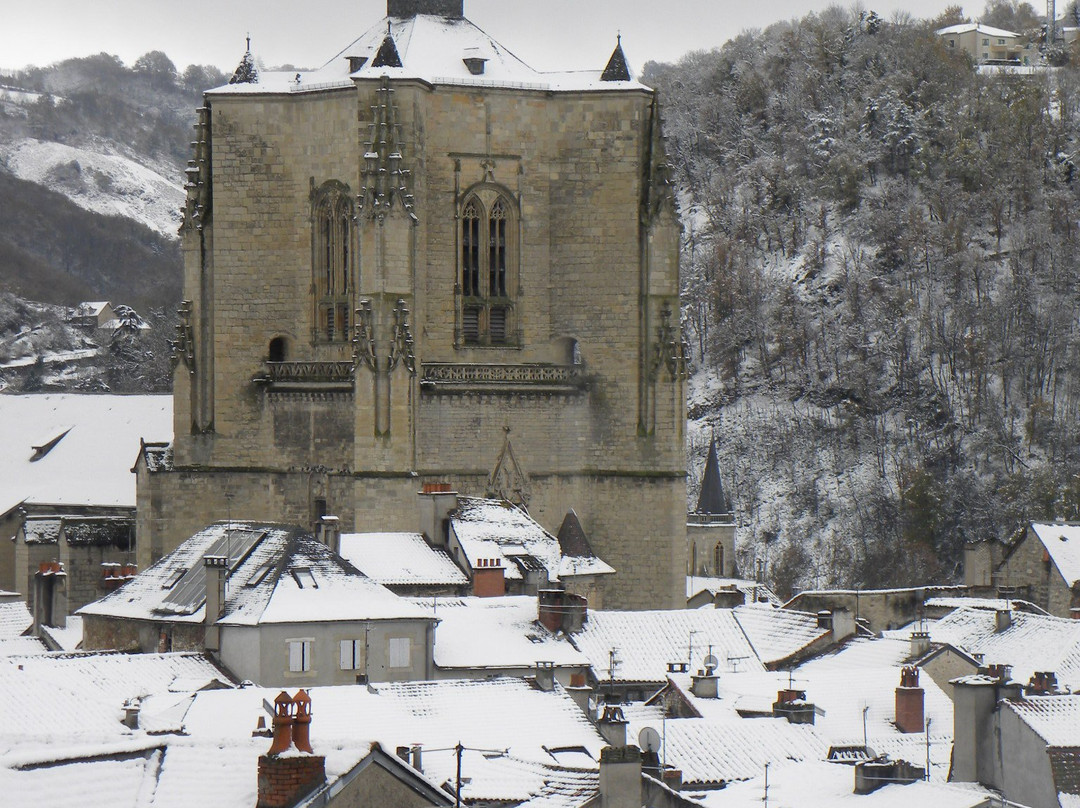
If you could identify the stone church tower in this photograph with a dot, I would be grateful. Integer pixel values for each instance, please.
(424, 263)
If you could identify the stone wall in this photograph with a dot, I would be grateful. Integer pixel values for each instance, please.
(584, 272)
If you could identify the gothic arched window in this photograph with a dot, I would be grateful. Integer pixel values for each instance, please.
(332, 261)
(487, 266)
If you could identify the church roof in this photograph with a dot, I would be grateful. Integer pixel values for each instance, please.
(617, 69)
(439, 50)
(712, 498)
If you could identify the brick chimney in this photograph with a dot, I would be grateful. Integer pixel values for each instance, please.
(792, 705)
(909, 701)
(559, 610)
(288, 772)
(489, 578)
(1042, 683)
(217, 571)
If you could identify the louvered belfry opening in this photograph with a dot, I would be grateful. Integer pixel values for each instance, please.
(438, 8)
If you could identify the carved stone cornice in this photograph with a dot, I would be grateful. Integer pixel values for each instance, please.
(493, 378)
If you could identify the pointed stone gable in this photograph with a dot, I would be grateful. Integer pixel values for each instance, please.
(572, 538)
(617, 69)
(388, 53)
(508, 481)
(712, 498)
(439, 8)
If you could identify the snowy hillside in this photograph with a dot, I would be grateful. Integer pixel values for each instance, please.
(101, 181)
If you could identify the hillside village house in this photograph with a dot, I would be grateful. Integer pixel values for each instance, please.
(1041, 564)
(68, 455)
(400, 262)
(985, 44)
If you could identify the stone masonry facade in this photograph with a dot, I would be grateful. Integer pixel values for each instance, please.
(587, 384)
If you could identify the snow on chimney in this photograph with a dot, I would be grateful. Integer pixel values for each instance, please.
(289, 771)
(545, 675)
(612, 725)
(909, 701)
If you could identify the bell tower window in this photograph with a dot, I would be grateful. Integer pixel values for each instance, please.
(333, 261)
(488, 263)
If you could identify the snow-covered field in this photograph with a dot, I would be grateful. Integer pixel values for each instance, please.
(100, 181)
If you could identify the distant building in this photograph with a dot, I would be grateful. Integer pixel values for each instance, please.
(93, 314)
(1040, 564)
(985, 44)
(710, 528)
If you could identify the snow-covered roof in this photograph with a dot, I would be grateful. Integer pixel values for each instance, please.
(279, 574)
(1062, 542)
(432, 49)
(646, 642)
(500, 633)
(860, 676)
(753, 591)
(15, 619)
(400, 558)
(710, 752)
(491, 528)
(91, 308)
(994, 604)
(502, 714)
(1056, 719)
(968, 27)
(820, 784)
(1031, 642)
(56, 701)
(84, 446)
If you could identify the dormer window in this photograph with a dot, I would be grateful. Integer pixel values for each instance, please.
(474, 61)
(356, 62)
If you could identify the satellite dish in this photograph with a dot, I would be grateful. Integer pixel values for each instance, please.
(649, 739)
(711, 664)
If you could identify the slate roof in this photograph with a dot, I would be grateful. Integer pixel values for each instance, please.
(83, 445)
(712, 499)
(432, 48)
(283, 576)
(15, 619)
(401, 558)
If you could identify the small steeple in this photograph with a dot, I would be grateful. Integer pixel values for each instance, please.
(572, 538)
(712, 498)
(616, 69)
(246, 72)
(388, 53)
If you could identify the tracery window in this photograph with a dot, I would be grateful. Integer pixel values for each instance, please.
(488, 262)
(332, 261)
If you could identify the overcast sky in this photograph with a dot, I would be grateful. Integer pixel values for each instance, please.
(548, 34)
